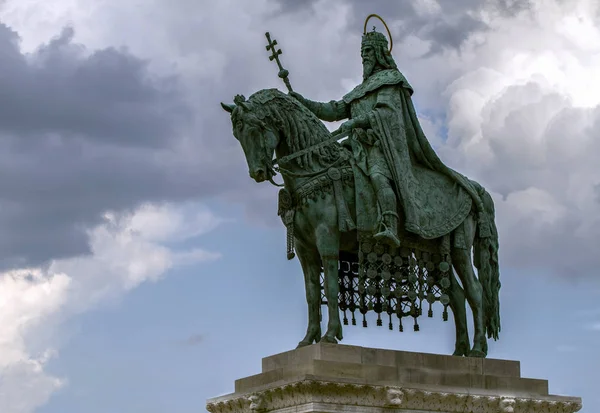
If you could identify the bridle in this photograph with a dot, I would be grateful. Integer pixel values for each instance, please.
(270, 164)
(274, 165)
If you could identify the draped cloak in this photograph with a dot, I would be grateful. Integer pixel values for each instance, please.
(435, 199)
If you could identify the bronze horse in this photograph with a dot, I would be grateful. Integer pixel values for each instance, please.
(272, 123)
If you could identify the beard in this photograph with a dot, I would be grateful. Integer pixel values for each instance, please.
(368, 66)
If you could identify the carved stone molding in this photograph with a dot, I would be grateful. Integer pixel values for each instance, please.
(257, 402)
(313, 391)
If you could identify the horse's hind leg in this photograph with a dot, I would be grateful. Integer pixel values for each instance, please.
(459, 311)
(311, 267)
(462, 262)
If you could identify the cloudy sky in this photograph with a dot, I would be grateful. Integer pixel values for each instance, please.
(132, 279)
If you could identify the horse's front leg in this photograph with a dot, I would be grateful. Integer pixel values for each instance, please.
(328, 243)
(311, 267)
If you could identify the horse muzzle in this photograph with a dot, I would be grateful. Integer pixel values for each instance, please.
(260, 174)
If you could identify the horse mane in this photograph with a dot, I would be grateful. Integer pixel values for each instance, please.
(300, 126)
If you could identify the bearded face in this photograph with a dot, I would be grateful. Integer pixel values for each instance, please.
(369, 61)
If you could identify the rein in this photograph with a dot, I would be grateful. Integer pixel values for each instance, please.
(332, 139)
(275, 165)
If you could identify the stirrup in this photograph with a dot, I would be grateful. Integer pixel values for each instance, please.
(392, 213)
(388, 236)
(387, 233)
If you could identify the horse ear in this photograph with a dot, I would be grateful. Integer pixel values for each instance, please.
(228, 108)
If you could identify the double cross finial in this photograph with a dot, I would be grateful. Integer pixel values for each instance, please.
(283, 73)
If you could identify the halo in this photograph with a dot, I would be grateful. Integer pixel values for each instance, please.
(386, 28)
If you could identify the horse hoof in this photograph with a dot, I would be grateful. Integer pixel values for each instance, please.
(461, 350)
(327, 339)
(303, 344)
(477, 354)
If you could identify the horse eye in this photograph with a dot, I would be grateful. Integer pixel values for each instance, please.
(254, 132)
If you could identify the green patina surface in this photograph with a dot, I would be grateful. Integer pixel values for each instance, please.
(382, 197)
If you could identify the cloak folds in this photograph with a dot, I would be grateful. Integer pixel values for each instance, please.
(436, 199)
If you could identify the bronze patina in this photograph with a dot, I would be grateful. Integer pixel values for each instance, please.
(378, 222)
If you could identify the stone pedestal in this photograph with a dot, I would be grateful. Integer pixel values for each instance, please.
(328, 378)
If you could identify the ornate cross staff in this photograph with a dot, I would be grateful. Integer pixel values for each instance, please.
(283, 73)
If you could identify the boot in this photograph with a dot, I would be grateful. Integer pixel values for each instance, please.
(389, 235)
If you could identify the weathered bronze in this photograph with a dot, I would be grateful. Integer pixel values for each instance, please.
(381, 216)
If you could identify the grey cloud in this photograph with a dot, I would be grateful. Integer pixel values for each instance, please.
(84, 132)
(450, 33)
(293, 6)
(447, 30)
(512, 7)
(105, 96)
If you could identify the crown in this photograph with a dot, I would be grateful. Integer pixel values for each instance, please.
(375, 38)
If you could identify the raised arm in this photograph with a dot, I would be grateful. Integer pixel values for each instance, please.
(327, 111)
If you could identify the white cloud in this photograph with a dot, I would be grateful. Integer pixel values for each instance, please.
(198, 39)
(523, 119)
(427, 7)
(127, 250)
(155, 223)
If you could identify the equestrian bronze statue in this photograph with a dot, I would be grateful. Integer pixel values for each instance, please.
(385, 221)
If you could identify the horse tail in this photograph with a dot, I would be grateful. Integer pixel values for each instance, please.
(486, 262)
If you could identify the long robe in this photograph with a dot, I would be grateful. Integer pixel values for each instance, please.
(435, 198)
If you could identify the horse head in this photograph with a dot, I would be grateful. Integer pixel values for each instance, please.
(258, 138)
